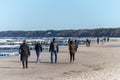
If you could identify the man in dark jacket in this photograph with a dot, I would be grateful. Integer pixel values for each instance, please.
(38, 48)
(54, 49)
(25, 52)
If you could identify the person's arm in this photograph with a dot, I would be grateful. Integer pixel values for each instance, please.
(35, 46)
(69, 47)
(57, 48)
(20, 50)
(50, 47)
(41, 47)
(28, 50)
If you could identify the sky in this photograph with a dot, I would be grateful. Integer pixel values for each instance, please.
(58, 14)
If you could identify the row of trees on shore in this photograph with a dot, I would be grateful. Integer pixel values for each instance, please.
(108, 32)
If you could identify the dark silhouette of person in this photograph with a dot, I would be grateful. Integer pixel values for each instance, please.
(25, 53)
(98, 40)
(38, 48)
(69, 41)
(108, 39)
(54, 49)
(76, 45)
(72, 51)
(88, 42)
(104, 39)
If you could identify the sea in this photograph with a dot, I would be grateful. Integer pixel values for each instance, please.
(9, 46)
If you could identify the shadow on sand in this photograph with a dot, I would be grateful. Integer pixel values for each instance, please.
(9, 67)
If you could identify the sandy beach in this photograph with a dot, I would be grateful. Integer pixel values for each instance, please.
(98, 62)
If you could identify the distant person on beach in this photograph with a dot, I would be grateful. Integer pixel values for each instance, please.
(108, 39)
(38, 48)
(69, 41)
(98, 40)
(104, 39)
(72, 51)
(88, 42)
(54, 49)
(25, 53)
(76, 45)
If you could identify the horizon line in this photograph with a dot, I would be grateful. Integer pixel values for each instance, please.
(59, 30)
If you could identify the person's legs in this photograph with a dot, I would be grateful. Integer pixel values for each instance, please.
(55, 52)
(70, 57)
(23, 63)
(73, 57)
(26, 63)
(37, 54)
(52, 57)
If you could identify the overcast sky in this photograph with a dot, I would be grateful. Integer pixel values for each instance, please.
(58, 14)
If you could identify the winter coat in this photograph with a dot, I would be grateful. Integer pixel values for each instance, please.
(53, 47)
(24, 51)
(38, 47)
(72, 48)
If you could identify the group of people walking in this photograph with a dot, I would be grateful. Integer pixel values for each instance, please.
(105, 39)
(53, 49)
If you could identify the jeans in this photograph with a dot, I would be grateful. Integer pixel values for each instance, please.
(54, 53)
(38, 57)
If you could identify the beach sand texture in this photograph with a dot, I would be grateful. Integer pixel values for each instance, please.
(98, 62)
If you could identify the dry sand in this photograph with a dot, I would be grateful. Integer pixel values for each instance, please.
(98, 62)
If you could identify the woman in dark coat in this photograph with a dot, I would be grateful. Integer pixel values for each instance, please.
(25, 53)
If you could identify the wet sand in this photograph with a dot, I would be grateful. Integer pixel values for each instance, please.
(98, 62)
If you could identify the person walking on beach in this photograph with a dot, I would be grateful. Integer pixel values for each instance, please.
(102, 40)
(107, 39)
(25, 53)
(98, 40)
(69, 41)
(54, 49)
(76, 45)
(38, 48)
(72, 51)
(88, 43)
